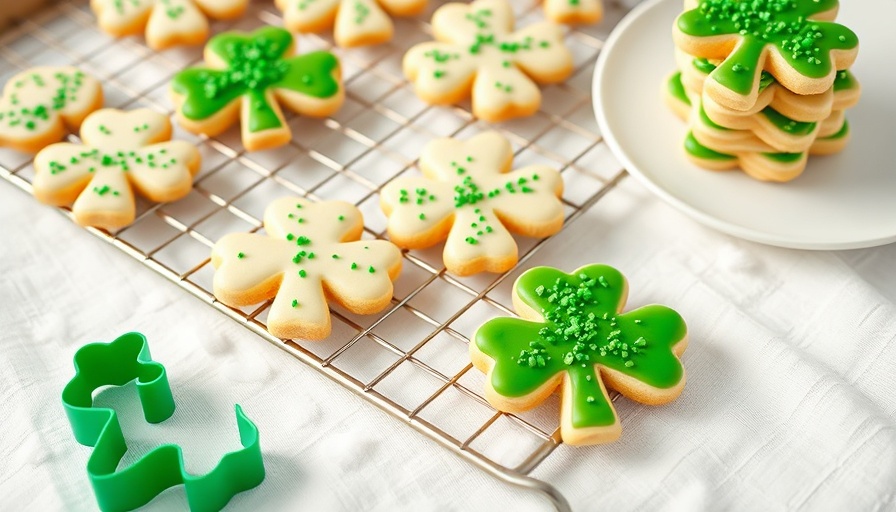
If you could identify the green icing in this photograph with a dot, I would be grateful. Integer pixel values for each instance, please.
(709, 122)
(706, 67)
(703, 65)
(844, 81)
(844, 131)
(698, 150)
(255, 64)
(676, 89)
(784, 158)
(786, 124)
(786, 25)
(780, 121)
(582, 328)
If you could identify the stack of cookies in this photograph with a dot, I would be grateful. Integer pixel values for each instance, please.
(762, 83)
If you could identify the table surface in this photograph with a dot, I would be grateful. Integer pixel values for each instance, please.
(789, 402)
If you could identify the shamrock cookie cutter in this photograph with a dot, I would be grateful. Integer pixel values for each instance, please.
(117, 363)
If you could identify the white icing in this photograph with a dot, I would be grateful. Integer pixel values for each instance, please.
(501, 79)
(484, 160)
(120, 15)
(354, 22)
(246, 260)
(157, 170)
(36, 88)
(164, 28)
(167, 21)
(574, 10)
(359, 21)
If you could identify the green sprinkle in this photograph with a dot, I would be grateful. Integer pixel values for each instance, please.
(240, 255)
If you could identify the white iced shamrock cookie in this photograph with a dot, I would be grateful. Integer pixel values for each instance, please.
(574, 11)
(469, 200)
(120, 151)
(477, 53)
(311, 253)
(166, 22)
(39, 106)
(354, 22)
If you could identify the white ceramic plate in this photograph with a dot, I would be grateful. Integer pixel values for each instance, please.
(842, 201)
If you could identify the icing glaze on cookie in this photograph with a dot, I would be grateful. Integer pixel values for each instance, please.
(250, 68)
(37, 101)
(310, 248)
(354, 22)
(121, 149)
(167, 22)
(468, 186)
(790, 27)
(580, 331)
(478, 46)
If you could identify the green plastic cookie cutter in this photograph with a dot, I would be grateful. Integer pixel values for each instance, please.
(115, 364)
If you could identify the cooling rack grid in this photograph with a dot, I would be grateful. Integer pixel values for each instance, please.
(411, 360)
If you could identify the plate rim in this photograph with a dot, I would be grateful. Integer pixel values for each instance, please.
(728, 227)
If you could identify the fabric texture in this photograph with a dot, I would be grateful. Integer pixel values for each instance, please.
(789, 403)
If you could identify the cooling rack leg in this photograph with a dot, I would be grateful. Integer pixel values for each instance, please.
(552, 493)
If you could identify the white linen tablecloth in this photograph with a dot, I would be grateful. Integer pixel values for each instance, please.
(789, 404)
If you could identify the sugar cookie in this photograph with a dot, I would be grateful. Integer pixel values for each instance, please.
(573, 335)
(248, 77)
(121, 150)
(574, 11)
(311, 253)
(469, 200)
(794, 40)
(41, 105)
(166, 23)
(354, 22)
(842, 95)
(718, 148)
(477, 53)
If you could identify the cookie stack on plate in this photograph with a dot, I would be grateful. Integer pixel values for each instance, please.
(762, 83)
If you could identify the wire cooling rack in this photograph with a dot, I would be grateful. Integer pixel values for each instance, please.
(411, 360)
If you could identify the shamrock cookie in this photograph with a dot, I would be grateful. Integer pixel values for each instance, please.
(717, 148)
(794, 40)
(311, 253)
(354, 22)
(40, 105)
(477, 53)
(780, 167)
(574, 11)
(248, 77)
(844, 94)
(573, 334)
(120, 150)
(469, 200)
(166, 22)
